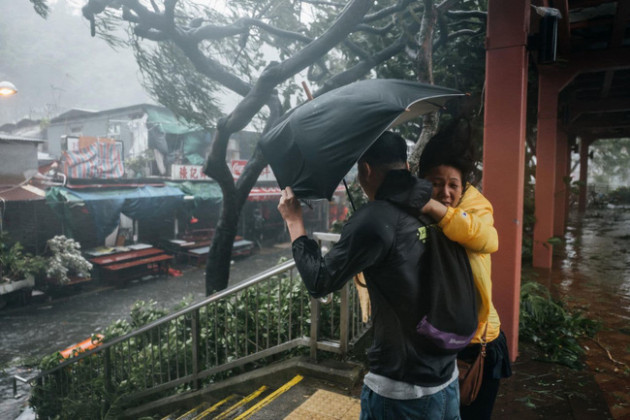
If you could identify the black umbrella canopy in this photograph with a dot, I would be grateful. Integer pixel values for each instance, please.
(317, 143)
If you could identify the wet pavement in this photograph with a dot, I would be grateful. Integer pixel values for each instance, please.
(591, 273)
(29, 332)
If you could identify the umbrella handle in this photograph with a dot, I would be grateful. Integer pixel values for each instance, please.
(307, 91)
(349, 195)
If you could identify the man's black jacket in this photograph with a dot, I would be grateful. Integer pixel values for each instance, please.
(381, 239)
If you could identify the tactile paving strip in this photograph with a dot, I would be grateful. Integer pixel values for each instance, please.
(326, 405)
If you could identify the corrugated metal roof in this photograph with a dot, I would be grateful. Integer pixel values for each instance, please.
(12, 137)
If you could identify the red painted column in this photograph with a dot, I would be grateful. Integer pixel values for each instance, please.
(562, 189)
(504, 151)
(546, 156)
(584, 144)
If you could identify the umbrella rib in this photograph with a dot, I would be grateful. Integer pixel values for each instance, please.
(345, 184)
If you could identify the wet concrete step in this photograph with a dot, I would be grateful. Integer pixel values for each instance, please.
(270, 392)
(234, 407)
(188, 415)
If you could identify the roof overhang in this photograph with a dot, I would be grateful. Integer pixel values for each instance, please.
(593, 58)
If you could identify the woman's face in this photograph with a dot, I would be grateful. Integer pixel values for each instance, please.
(447, 184)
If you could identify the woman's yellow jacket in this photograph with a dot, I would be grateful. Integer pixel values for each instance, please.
(471, 224)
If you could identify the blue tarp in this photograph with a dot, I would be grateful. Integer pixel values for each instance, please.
(105, 206)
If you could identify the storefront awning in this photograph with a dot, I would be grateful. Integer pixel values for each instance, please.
(106, 205)
(168, 122)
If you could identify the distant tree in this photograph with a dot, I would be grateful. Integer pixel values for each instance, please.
(611, 161)
(190, 53)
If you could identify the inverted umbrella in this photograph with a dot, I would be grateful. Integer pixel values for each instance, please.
(316, 143)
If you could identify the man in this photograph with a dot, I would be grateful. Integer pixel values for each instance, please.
(381, 240)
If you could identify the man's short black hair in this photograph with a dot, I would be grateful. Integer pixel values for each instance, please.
(388, 148)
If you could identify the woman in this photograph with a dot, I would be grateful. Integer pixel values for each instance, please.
(465, 217)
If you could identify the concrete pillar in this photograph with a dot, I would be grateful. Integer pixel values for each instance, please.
(504, 151)
(572, 140)
(562, 187)
(546, 161)
(584, 145)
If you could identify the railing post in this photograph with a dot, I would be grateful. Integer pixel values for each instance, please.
(315, 310)
(107, 370)
(195, 348)
(344, 319)
(107, 378)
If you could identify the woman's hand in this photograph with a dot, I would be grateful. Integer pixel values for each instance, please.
(435, 209)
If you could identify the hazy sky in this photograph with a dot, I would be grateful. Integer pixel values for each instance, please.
(56, 65)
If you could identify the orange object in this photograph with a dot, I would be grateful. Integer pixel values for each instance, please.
(173, 272)
(85, 345)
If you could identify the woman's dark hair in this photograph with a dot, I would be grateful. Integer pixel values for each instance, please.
(451, 146)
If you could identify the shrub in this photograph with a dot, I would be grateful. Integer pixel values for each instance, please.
(15, 264)
(232, 327)
(620, 196)
(552, 327)
(66, 259)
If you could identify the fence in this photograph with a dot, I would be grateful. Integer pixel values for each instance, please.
(235, 329)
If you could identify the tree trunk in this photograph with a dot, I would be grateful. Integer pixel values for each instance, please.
(234, 197)
(220, 255)
(424, 70)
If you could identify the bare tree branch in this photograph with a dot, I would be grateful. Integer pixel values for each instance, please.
(275, 73)
(169, 12)
(213, 69)
(387, 11)
(445, 5)
(345, 23)
(424, 64)
(443, 36)
(357, 50)
(476, 23)
(153, 19)
(424, 70)
(150, 34)
(463, 14)
(362, 68)
(463, 32)
(243, 25)
(129, 16)
(315, 76)
(375, 30)
(323, 3)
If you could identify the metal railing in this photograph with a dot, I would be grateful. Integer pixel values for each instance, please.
(234, 329)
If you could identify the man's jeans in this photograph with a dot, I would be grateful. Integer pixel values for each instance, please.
(443, 405)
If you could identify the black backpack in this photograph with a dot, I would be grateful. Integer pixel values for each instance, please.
(448, 293)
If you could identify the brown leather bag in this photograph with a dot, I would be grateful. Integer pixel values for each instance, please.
(471, 374)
